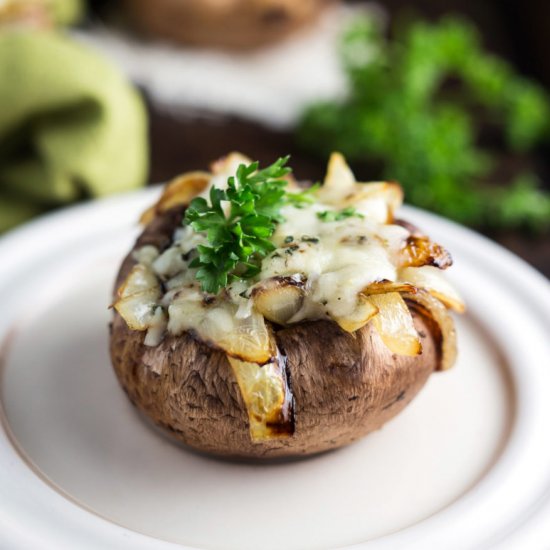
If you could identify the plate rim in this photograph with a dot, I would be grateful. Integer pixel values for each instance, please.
(120, 210)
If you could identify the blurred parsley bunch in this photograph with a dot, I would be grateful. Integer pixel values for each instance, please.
(414, 106)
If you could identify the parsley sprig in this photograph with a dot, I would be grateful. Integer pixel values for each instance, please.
(238, 237)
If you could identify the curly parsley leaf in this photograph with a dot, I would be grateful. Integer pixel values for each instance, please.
(238, 237)
(300, 198)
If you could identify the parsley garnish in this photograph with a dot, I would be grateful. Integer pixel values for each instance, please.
(238, 240)
(338, 215)
(300, 199)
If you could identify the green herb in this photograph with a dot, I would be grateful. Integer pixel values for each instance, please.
(523, 203)
(240, 239)
(416, 106)
(338, 215)
(301, 198)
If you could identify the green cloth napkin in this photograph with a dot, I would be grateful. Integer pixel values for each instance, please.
(71, 126)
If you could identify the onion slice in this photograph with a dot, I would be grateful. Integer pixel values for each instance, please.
(180, 191)
(140, 279)
(341, 189)
(138, 297)
(389, 192)
(278, 299)
(339, 181)
(384, 286)
(361, 315)
(433, 309)
(215, 322)
(227, 166)
(394, 324)
(419, 251)
(267, 398)
(431, 279)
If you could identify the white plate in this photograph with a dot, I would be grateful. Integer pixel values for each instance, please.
(466, 465)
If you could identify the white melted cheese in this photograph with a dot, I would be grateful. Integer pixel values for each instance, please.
(337, 260)
(329, 264)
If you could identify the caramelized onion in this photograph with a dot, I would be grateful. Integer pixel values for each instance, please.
(394, 324)
(180, 191)
(384, 286)
(388, 192)
(227, 166)
(361, 315)
(433, 309)
(278, 299)
(379, 199)
(339, 181)
(431, 279)
(137, 298)
(419, 251)
(267, 398)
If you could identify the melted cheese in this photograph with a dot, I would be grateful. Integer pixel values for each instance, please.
(337, 260)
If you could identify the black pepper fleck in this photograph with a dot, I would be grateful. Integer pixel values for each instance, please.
(307, 239)
(291, 249)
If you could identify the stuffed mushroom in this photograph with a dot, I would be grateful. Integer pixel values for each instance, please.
(258, 318)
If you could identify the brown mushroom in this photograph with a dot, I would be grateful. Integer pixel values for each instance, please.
(340, 386)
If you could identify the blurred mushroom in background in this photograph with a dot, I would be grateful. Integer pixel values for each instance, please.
(235, 24)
